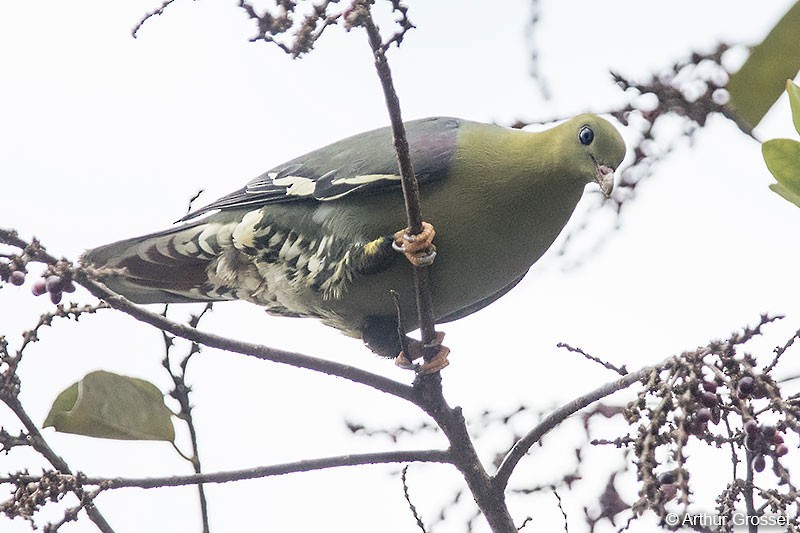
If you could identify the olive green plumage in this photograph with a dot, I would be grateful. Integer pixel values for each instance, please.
(312, 237)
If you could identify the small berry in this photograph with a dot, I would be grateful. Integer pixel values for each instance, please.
(669, 490)
(704, 415)
(55, 297)
(69, 286)
(709, 399)
(746, 386)
(759, 463)
(710, 386)
(777, 438)
(54, 284)
(751, 426)
(39, 287)
(716, 415)
(667, 478)
(781, 450)
(17, 278)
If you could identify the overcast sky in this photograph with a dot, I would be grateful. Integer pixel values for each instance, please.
(104, 137)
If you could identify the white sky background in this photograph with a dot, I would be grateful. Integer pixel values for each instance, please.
(104, 137)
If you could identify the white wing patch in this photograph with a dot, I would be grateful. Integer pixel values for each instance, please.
(296, 185)
(365, 178)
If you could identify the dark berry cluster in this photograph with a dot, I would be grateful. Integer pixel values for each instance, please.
(762, 441)
(55, 285)
(707, 408)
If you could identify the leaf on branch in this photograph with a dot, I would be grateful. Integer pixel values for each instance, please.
(110, 406)
(794, 101)
(785, 193)
(782, 157)
(755, 87)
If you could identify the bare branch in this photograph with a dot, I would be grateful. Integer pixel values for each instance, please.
(522, 446)
(99, 290)
(361, 15)
(308, 465)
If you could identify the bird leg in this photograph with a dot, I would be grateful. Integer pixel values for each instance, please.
(418, 249)
(416, 349)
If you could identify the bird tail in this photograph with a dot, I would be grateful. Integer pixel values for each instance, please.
(166, 267)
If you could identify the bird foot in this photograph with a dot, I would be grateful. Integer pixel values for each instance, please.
(416, 349)
(418, 249)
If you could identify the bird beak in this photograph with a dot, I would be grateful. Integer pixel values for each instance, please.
(605, 179)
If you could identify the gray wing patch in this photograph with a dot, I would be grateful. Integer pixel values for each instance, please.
(364, 162)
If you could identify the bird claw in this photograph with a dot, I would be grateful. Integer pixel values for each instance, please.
(419, 248)
(416, 350)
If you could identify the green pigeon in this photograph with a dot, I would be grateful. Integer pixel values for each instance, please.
(317, 236)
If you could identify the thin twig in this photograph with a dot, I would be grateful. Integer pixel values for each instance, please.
(561, 508)
(147, 16)
(180, 392)
(779, 352)
(411, 506)
(748, 492)
(307, 465)
(621, 370)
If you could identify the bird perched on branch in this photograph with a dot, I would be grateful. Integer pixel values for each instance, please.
(317, 236)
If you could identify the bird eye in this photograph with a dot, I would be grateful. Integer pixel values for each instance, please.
(586, 135)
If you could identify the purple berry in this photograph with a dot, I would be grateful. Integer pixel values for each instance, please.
(751, 427)
(709, 399)
(39, 287)
(746, 386)
(781, 450)
(667, 478)
(55, 297)
(69, 286)
(704, 415)
(669, 490)
(54, 284)
(777, 438)
(759, 463)
(17, 278)
(710, 386)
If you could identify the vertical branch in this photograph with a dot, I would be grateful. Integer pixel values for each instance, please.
(181, 393)
(361, 15)
(490, 500)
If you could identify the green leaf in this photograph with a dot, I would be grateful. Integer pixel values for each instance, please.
(783, 160)
(111, 406)
(760, 81)
(786, 193)
(794, 101)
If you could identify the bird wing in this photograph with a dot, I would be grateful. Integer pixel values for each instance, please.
(363, 162)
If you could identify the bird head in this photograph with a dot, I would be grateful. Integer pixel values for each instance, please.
(595, 146)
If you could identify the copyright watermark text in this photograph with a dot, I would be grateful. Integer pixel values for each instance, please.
(737, 519)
